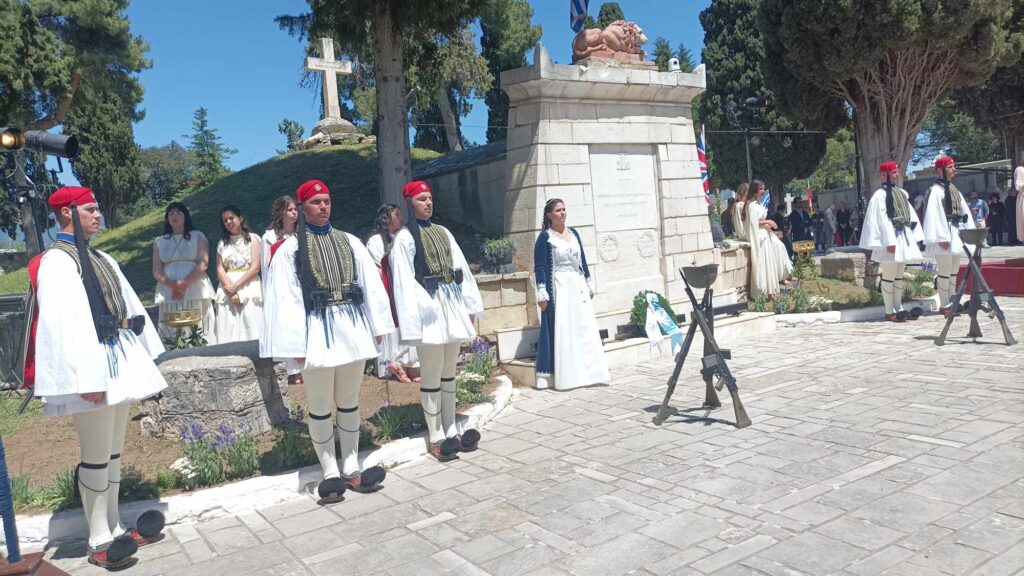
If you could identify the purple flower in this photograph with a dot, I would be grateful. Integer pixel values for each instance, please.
(197, 432)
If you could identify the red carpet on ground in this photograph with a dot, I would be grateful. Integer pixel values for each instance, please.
(1005, 278)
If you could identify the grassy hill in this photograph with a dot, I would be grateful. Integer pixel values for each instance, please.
(349, 171)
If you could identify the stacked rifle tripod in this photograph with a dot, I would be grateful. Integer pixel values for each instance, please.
(976, 280)
(714, 369)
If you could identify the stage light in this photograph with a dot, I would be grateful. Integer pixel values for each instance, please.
(11, 139)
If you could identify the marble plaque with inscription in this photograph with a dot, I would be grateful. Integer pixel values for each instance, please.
(627, 223)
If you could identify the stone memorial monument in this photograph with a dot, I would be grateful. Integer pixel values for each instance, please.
(614, 138)
(332, 129)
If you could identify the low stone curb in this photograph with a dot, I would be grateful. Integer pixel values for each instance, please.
(869, 314)
(36, 532)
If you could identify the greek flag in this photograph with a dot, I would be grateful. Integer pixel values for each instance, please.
(702, 158)
(767, 201)
(577, 14)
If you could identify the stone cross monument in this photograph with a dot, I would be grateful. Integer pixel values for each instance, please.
(332, 129)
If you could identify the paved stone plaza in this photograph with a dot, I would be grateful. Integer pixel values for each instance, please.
(872, 451)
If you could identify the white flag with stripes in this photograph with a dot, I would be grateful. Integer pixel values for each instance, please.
(577, 14)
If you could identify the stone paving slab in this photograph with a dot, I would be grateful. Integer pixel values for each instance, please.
(872, 452)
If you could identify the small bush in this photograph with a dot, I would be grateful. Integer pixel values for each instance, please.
(21, 492)
(166, 481)
(60, 495)
(496, 248)
(135, 487)
(759, 303)
(293, 448)
(239, 451)
(393, 422)
(202, 466)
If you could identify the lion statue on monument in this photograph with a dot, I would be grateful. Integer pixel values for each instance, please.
(620, 40)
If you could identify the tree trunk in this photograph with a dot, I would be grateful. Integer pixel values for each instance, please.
(451, 129)
(27, 211)
(393, 162)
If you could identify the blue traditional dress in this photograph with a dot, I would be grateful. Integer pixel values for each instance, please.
(569, 349)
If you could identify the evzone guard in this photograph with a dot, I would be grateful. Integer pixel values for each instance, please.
(436, 299)
(946, 212)
(892, 231)
(90, 355)
(326, 308)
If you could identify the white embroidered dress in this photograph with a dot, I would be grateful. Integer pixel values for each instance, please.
(579, 354)
(180, 257)
(764, 256)
(239, 322)
(70, 360)
(391, 349)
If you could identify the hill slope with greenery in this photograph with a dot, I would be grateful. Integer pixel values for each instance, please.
(349, 171)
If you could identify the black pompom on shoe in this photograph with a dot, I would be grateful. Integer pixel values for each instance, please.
(469, 439)
(445, 450)
(116, 555)
(331, 490)
(369, 481)
(150, 524)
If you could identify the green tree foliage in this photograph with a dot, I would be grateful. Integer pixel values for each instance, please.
(998, 104)
(292, 131)
(662, 53)
(686, 63)
(207, 151)
(835, 170)
(956, 133)
(389, 26)
(890, 61)
(589, 23)
(74, 63)
(165, 171)
(506, 36)
(109, 160)
(733, 51)
(444, 73)
(610, 12)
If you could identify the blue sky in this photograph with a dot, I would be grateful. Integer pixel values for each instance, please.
(230, 57)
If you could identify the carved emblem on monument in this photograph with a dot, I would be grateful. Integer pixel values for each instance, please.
(621, 40)
(647, 244)
(609, 248)
(623, 163)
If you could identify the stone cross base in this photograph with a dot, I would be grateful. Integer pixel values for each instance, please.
(223, 384)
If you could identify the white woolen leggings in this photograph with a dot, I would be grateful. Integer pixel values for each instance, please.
(101, 437)
(946, 268)
(892, 286)
(437, 388)
(330, 391)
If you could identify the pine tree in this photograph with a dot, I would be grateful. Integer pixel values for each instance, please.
(507, 35)
(686, 63)
(208, 153)
(733, 52)
(292, 132)
(662, 53)
(610, 12)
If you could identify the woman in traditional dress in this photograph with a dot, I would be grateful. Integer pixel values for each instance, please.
(569, 350)
(283, 218)
(436, 299)
(738, 222)
(180, 260)
(764, 256)
(240, 294)
(395, 358)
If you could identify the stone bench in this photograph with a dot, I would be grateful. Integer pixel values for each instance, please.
(221, 384)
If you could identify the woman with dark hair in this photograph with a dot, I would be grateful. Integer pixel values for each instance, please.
(738, 213)
(283, 218)
(764, 256)
(569, 349)
(240, 294)
(181, 257)
(437, 300)
(395, 358)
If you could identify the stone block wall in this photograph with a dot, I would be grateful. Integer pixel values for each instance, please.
(12, 260)
(509, 302)
(472, 195)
